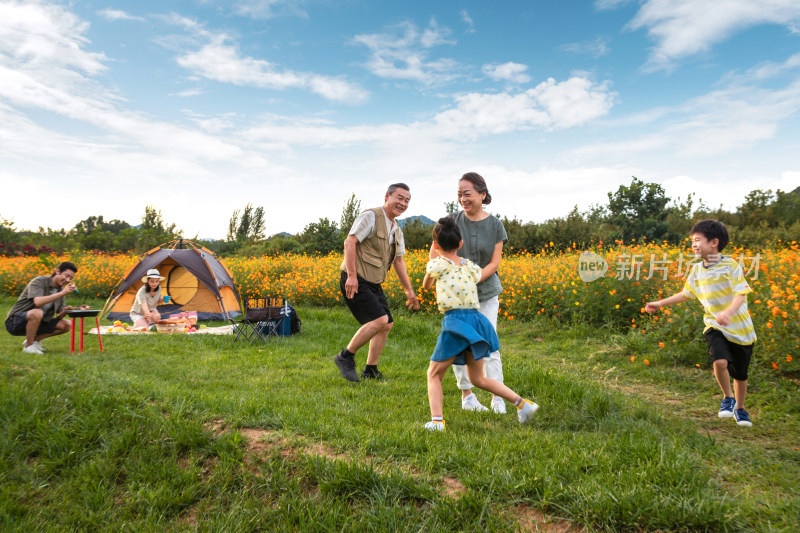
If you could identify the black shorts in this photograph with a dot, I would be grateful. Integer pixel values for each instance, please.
(737, 355)
(368, 303)
(16, 324)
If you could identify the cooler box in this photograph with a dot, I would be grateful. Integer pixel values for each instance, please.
(282, 326)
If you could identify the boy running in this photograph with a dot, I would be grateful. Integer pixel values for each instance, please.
(718, 283)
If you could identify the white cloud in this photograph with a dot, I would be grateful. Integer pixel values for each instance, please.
(40, 36)
(266, 9)
(720, 122)
(610, 4)
(44, 66)
(221, 62)
(550, 105)
(467, 19)
(218, 124)
(188, 93)
(728, 120)
(771, 69)
(116, 14)
(512, 72)
(402, 52)
(683, 28)
(596, 48)
(433, 35)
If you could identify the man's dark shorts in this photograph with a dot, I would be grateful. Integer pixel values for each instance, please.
(16, 324)
(737, 355)
(368, 303)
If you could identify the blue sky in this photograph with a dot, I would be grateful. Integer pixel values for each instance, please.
(200, 106)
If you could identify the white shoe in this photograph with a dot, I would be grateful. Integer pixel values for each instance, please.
(498, 405)
(32, 349)
(434, 426)
(35, 343)
(471, 403)
(526, 413)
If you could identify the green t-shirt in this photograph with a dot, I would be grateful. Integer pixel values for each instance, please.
(38, 286)
(480, 238)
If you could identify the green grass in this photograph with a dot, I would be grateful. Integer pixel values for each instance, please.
(173, 433)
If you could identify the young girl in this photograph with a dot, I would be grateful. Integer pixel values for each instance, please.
(143, 311)
(467, 336)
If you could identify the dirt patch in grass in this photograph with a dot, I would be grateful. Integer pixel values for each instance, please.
(262, 442)
(711, 431)
(215, 426)
(530, 519)
(189, 517)
(453, 488)
(325, 451)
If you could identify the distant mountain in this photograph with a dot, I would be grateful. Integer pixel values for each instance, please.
(422, 218)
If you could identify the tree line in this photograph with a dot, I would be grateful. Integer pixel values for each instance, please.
(91, 234)
(638, 211)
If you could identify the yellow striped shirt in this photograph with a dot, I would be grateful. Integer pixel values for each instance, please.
(715, 287)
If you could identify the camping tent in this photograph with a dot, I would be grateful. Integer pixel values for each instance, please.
(195, 281)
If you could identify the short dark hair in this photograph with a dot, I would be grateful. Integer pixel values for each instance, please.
(395, 186)
(66, 265)
(479, 183)
(446, 234)
(712, 229)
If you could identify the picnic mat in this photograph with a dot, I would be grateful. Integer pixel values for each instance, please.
(221, 330)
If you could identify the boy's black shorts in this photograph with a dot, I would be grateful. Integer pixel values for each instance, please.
(368, 303)
(737, 355)
(18, 322)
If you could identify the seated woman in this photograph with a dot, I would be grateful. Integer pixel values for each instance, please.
(144, 310)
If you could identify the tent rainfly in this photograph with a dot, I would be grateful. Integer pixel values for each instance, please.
(195, 281)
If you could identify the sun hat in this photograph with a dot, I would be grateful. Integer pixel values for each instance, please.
(153, 273)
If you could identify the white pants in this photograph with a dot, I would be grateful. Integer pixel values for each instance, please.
(492, 366)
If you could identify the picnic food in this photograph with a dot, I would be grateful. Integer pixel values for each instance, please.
(176, 325)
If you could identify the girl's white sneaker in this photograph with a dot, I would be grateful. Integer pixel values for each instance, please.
(526, 412)
(434, 426)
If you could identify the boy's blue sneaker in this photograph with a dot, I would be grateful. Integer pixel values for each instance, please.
(741, 417)
(726, 407)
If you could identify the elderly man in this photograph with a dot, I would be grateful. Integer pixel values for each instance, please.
(39, 310)
(374, 244)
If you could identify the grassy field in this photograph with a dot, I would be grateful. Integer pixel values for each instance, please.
(175, 433)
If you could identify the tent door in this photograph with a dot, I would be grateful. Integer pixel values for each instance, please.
(181, 285)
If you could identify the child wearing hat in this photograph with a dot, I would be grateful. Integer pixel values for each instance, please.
(143, 311)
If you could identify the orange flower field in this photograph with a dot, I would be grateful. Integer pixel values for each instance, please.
(555, 285)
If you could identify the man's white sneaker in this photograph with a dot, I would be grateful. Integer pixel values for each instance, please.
(526, 413)
(434, 426)
(471, 403)
(32, 349)
(35, 343)
(498, 405)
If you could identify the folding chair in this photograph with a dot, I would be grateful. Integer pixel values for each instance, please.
(263, 318)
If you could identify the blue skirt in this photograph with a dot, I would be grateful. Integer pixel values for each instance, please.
(462, 330)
